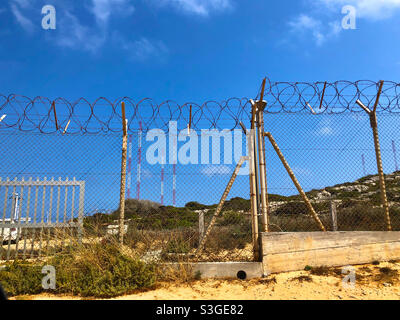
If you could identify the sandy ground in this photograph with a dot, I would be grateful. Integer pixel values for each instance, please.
(373, 282)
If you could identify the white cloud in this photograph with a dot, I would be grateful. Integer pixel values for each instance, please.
(144, 48)
(74, 35)
(103, 9)
(304, 24)
(25, 22)
(22, 3)
(198, 7)
(368, 9)
(216, 170)
(330, 26)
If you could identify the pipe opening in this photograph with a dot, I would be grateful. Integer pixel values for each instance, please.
(241, 275)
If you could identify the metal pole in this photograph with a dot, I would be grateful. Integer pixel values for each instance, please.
(253, 197)
(201, 224)
(139, 159)
(254, 203)
(253, 132)
(334, 216)
(55, 114)
(129, 166)
(261, 157)
(174, 184)
(380, 170)
(123, 178)
(16, 207)
(255, 168)
(374, 126)
(295, 181)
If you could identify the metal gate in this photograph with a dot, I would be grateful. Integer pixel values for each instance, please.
(39, 217)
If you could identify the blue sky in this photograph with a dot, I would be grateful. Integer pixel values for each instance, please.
(193, 50)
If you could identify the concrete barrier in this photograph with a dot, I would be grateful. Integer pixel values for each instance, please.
(284, 252)
(220, 270)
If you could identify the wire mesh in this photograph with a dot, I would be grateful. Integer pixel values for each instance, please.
(168, 205)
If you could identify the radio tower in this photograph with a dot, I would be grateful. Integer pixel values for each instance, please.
(395, 155)
(363, 164)
(129, 166)
(162, 177)
(174, 185)
(139, 161)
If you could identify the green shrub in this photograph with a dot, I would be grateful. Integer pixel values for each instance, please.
(178, 245)
(105, 273)
(21, 278)
(92, 270)
(292, 208)
(231, 218)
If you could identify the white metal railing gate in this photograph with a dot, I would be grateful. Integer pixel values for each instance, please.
(32, 223)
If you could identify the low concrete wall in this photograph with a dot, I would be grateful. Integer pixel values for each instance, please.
(219, 270)
(293, 251)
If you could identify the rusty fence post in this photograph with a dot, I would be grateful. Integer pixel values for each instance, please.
(254, 204)
(123, 177)
(374, 126)
(333, 211)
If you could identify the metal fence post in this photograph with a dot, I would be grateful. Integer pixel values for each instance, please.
(253, 198)
(261, 156)
(374, 126)
(254, 204)
(384, 199)
(201, 224)
(334, 215)
(123, 177)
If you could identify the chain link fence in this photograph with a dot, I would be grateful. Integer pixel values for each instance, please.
(61, 187)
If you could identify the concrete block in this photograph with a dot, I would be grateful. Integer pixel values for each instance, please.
(284, 252)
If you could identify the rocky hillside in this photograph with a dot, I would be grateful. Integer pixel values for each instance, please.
(366, 189)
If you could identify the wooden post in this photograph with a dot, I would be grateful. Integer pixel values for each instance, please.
(374, 126)
(201, 225)
(123, 178)
(295, 181)
(334, 216)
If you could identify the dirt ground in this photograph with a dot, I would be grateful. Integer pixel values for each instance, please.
(372, 282)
